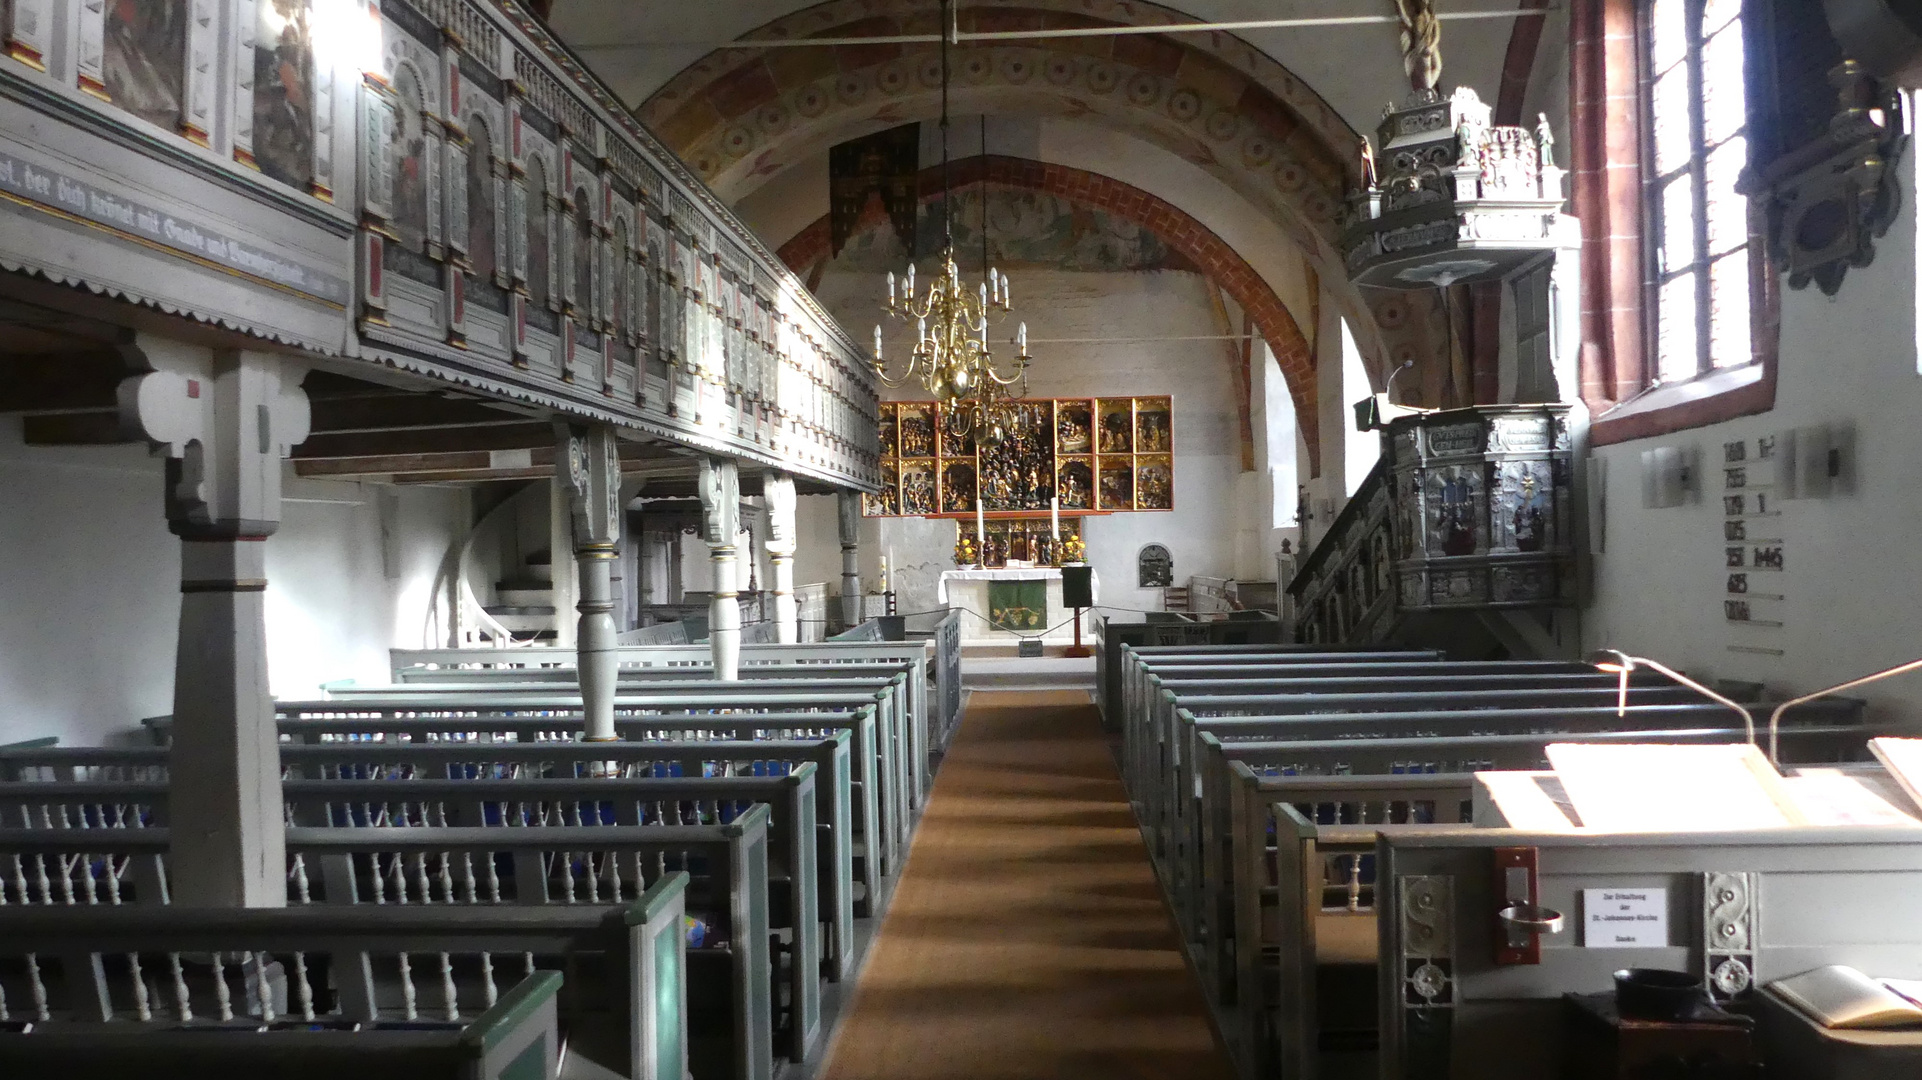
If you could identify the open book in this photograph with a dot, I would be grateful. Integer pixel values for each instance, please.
(1842, 997)
(1669, 787)
(1903, 759)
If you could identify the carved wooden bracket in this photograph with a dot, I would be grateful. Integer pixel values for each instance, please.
(1829, 201)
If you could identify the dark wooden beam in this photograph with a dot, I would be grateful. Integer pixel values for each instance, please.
(465, 466)
(92, 428)
(59, 381)
(397, 412)
(522, 436)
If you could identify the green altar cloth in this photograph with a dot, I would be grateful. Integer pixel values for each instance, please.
(1018, 605)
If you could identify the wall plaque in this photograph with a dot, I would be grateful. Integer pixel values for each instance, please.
(1155, 567)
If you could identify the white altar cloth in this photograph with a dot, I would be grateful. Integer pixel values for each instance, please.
(1036, 573)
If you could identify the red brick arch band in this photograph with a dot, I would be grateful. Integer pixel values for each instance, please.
(1176, 228)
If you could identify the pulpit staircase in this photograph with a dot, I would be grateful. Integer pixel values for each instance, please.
(1461, 538)
(524, 605)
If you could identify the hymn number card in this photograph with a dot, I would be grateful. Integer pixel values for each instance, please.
(1751, 535)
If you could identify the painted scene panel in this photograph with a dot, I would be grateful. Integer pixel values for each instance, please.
(145, 57)
(284, 91)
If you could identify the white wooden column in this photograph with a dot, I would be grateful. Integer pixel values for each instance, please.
(850, 508)
(224, 419)
(720, 522)
(587, 468)
(564, 589)
(777, 489)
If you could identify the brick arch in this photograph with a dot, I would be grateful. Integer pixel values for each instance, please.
(738, 116)
(1180, 231)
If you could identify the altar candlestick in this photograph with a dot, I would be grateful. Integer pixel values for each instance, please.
(1054, 516)
(980, 524)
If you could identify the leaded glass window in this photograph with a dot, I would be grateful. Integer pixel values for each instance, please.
(1698, 119)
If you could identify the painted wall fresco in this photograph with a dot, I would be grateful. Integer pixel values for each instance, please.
(1026, 229)
(145, 58)
(284, 91)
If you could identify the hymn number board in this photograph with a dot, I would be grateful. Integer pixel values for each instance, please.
(1097, 455)
(1753, 563)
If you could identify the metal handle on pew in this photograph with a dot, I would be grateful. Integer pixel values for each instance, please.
(1530, 920)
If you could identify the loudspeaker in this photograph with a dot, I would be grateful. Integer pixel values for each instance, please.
(1077, 586)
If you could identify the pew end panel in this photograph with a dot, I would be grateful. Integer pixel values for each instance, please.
(1740, 910)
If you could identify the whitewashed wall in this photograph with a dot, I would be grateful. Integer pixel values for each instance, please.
(89, 592)
(1851, 562)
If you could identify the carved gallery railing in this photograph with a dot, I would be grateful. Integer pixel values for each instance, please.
(1093, 454)
(435, 185)
(1469, 509)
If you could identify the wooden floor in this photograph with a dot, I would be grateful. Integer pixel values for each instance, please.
(1028, 938)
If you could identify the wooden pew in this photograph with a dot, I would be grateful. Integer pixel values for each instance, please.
(891, 739)
(914, 723)
(933, 654)
(830, 755)
(1303, 906)
(541, 868)
(1209, 912)
(1166, 805)
(876, 783)
(1139, 664)
(420, 809)
(105, 992)
(1745, 909)
(1200, 689)
(393, 809)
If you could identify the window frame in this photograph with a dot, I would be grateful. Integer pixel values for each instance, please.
(1649, 406)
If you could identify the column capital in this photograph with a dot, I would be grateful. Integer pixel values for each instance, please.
(224, 418)
(587, 461)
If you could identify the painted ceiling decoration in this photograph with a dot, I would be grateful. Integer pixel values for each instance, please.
(740, 115)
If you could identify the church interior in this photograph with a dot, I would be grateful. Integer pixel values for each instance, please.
(874, 539)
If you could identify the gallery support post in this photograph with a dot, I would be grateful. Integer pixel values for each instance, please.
(721, 524)
(224, 419)
(777, 490)
(849, 506)
(587, 469)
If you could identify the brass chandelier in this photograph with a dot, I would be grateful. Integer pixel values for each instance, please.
(951, 357)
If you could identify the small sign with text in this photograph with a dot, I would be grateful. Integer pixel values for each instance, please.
(1625, 918)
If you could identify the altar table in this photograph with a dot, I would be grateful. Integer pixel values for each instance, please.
(968, 591)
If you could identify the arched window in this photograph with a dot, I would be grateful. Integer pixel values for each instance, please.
(144, 58)
(283, 139)
(480, 200)
(618, 291)
(410, 164)
(537, 286)
(583, 269)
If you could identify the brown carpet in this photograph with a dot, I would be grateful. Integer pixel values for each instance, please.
(1028, 938)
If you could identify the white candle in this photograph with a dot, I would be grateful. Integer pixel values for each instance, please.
(1054, 516)
(910, 289)
(890, 288)
(1021, 337)
(877, 341)
(980, 526)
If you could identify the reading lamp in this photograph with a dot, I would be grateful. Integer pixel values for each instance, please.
(1620, 662)
(1775, 718)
